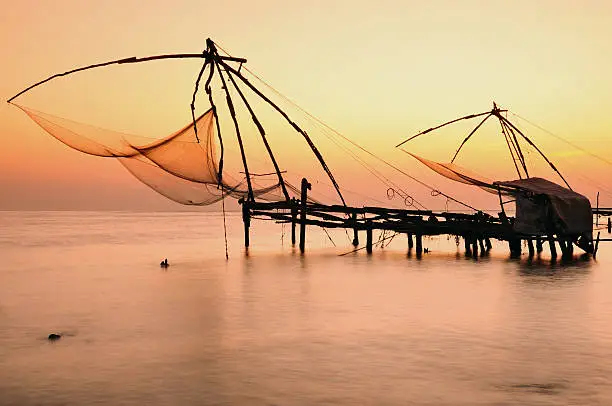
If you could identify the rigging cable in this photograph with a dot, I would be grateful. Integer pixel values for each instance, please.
(563, 139)
(357, 145)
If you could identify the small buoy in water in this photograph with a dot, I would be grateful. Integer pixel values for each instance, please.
(164, 263)
(54, 337)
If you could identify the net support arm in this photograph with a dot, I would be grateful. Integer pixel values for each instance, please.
(440, 126)
(230, 106)
(536, 148)
(294, 125)
(193, 98)
(122, 61)
(262, 132)
(469, 136)
(208, 91)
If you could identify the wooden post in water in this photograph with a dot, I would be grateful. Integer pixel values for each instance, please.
(553, 248)
(475, 247)
(410, 242)
(488, 244)
(609, 225)
(294, 210)
(515, 247)
(539, 245)
(531, 248)
(482, 247)
(468, 248)
(246, 219)
(419, 245)
(355, 231)
(369, 237)
(303, 199)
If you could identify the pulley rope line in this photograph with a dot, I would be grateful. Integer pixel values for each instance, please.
(263, 136)
(607, 161)
(469, 136)
(511, 147)
(230, 106)
(293, 124)
(434, 190)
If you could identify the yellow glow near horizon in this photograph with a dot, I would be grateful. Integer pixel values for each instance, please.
(378, 72)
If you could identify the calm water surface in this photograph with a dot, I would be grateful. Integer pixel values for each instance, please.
(276, 328)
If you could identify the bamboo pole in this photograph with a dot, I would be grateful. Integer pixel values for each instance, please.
(294, 125)
(531, 248)
(262, 133)
(230, 106)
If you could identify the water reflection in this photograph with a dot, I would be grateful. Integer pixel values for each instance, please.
(276, 327)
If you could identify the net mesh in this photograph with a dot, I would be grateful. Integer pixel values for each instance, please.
(178, 166)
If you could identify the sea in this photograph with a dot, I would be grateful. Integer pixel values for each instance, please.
(269, 326)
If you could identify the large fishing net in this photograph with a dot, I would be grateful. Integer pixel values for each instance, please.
(182, 166)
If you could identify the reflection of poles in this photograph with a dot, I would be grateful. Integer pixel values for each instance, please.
(294, 125)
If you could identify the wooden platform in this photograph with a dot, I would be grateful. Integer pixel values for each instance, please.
(476, 229)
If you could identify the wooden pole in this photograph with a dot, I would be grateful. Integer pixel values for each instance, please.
(531, 248)
(355, 231)
(539, 245)
(475, 247)
(369, 237)
(488, 244)
(133, 59)
(410, 242)
(230, 106)
(468, 248)
(246, 218)
(482, 247)
(597, 209)
(293, 124)
(262, 132)
(609, 225)
(303, 198)
(419, 245)
(294, 210)
(553, 249)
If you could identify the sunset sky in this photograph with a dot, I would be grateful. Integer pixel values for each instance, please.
(377, 72)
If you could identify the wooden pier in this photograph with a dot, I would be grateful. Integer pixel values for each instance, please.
(477, 230)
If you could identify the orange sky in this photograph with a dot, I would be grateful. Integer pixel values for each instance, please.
(376, 71)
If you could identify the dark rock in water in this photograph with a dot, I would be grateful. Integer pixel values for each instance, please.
(54, 337)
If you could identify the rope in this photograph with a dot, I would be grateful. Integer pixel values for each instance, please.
(348, 139)
(224, 225)
(362, 248)
(359, 146)
(563, 139)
